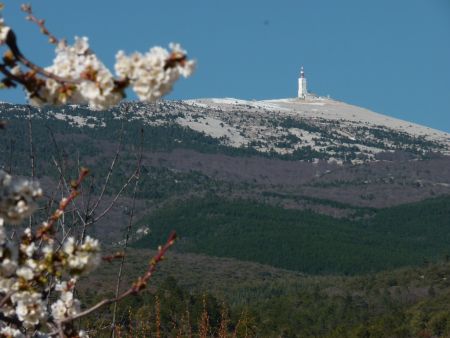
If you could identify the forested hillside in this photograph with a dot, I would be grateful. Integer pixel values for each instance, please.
(322, 241)
(303, 240)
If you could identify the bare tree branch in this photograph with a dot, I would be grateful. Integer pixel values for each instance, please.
(110, 171)
(127, 236)
(40, 22)
(137, 286)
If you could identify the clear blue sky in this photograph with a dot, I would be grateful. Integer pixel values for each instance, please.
(392, 56)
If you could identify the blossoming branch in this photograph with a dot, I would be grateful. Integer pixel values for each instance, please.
(78, 76)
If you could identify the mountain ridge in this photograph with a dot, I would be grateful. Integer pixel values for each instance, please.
(312, 129)
(346, 119)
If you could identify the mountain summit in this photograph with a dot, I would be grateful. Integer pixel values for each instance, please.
(325, 128)
(309, 129)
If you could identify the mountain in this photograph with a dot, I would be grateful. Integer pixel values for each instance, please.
(321, 171)
(275, 203)
(288, 149)
(311, 129)
(331, 129)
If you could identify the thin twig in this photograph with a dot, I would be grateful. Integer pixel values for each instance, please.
(32, 154)
(86, 212)
(116, 255)
(60, 170)
(11, 149)
(6, 298)
(105, 211)
(40, 22)
(127, 237)
(30, 139)
(110, 171)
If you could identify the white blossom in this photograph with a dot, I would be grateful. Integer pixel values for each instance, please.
(47, 249)
(29, 249)
(89, 81)
(69, 246)
(2, 233)
(30, 309)
(83, 334)
(66, 305)
(86, 80)
(8, 284)
(31, 266)
(25, 272)
(17, 197)
(84, 257)
(4, 30)
(149, 74)
(10, 332)
(8, 267)
(59, 310)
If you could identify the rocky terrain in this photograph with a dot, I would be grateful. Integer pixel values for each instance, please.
(312, 129)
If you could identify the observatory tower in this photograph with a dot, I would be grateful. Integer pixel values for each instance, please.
(302, 89)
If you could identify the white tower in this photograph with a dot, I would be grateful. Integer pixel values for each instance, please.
(302, 89)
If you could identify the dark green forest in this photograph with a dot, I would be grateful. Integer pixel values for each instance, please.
(303, 240)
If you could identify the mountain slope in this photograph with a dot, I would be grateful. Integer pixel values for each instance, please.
(300, 185)
(180, 162)
(288, 128)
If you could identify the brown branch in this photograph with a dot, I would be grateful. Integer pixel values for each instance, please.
(86, 210)
(47, 227)
(116, 255)
(136, 287)
(11, 41)
(6, 298)
(174, 60)
(40, 22)
(11, 76)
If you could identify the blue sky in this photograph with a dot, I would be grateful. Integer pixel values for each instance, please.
(392, 56)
